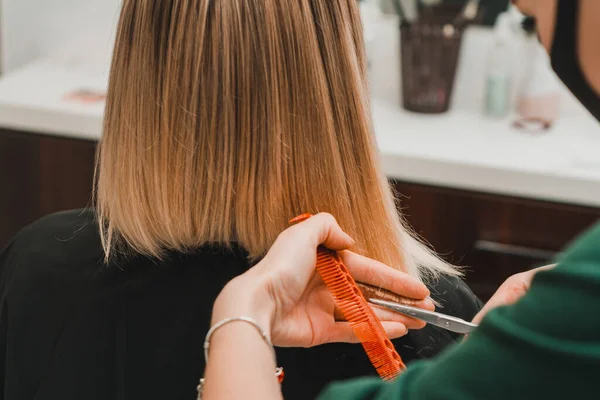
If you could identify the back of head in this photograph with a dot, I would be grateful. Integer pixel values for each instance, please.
(226, 118)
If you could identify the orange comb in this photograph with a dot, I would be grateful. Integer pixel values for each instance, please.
(353, 305)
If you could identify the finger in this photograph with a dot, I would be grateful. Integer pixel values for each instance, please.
(377, 274)
(389, 316)
(342, 332)
(507, 293)
(394, 330)
(372, 292)
(324, 229)
(426, 304)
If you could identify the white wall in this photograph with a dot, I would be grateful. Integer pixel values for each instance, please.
(38, 28)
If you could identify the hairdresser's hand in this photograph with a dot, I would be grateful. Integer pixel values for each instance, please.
(510, 291)
(286, 295)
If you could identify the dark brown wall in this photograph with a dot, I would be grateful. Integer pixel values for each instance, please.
(40, 175)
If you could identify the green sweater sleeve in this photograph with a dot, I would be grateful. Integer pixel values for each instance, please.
(547, 346)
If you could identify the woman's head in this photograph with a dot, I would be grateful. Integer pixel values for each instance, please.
(226, 118)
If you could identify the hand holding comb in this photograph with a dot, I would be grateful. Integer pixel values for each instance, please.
(351, 302)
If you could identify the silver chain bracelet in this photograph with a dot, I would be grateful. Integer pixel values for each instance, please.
(278, 371)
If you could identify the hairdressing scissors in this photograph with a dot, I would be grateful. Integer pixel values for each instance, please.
(447, 322)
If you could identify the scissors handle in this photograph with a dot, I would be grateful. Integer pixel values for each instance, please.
(447, 322)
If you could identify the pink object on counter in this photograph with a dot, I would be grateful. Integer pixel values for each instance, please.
(544, 107)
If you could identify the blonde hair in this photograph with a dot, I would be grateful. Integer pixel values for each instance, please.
(226, 118)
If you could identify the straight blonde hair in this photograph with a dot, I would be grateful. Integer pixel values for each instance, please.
(226, 118)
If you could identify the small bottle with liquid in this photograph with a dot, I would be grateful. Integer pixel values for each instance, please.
(500, 74)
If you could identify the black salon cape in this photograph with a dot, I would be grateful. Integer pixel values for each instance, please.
(73, 328)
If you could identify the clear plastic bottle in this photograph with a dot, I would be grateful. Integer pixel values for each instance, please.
(499, 78)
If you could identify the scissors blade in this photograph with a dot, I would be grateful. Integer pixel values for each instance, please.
(447, 322)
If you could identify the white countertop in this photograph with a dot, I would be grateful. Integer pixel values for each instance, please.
(461, 149)
(33, 99)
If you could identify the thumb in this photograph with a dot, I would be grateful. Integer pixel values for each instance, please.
(511, 291)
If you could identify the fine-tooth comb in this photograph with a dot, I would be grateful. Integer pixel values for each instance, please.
(355, 309)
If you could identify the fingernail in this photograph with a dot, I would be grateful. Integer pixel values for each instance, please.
(428, 302)
(352, 241)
